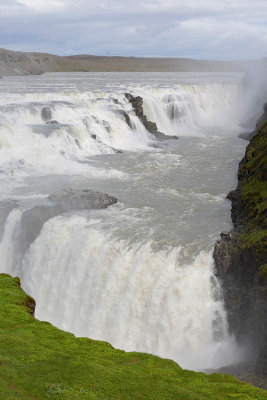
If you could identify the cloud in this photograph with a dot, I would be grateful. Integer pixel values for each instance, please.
(42, 5)
(212, 36)
(220, 29)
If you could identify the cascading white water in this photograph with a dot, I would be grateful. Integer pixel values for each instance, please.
(131, 296)
(91, 123)
(190, 108)
(87, 282)
(83, 128)
(139, 274)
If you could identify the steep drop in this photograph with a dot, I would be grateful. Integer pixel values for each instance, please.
(138, 274)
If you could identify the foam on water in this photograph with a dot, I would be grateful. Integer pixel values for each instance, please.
(139, 274)
(134, 297)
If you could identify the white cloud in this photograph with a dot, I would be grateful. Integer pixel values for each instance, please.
(186, 28)
(43, 5)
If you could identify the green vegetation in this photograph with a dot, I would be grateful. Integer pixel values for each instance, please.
(263, 272)
(253, 175)
(39, 361)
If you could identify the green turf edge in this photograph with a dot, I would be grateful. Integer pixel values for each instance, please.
(39, 361)
(253, 175)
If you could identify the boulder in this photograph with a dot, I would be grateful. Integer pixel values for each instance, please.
(70, 199)
(58, 203)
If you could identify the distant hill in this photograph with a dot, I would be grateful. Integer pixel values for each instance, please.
(22, 63)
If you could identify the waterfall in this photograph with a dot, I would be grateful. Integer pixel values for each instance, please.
(139, 274)
(192, 109)
(88, 282)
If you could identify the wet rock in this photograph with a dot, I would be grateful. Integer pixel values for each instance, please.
(226, 235)
(30, 303)
(244, 298)
(240, 256)
(151, 126)
(137, 104)
(70, 199)
(64, 200)
(238, 213)
(243, 371)
(128, 120)
(46, 114)
(53, 122)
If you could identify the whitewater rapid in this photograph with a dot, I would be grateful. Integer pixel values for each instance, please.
(140, 273)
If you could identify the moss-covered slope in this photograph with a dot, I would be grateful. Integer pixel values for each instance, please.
(252, 177)
(39, 361)
(241, 255)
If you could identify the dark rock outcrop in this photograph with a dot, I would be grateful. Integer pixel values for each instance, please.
(46, 114)
(128, 120)
(244, 296)
(151, 127)
(30, 303)
(64, 200)
(137, 104)
(70, 199)
(241, 255)
(53, 122)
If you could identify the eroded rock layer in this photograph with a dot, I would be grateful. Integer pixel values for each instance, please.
(241, 255)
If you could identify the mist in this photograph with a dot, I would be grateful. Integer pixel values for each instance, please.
(254, 85)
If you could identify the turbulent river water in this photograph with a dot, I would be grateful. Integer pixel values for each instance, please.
(140, 273)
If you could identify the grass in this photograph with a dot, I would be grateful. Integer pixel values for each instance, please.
(39, 361)
(253, 176)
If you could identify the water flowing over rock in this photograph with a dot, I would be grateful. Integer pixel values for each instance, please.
(46, 114)
(137, 103)
(70, 199)
(144, 265)
(62, 201)
(65, 200)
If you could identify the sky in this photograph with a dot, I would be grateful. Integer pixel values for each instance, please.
(201, 29)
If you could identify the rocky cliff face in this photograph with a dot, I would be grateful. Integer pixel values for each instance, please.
(137, 104)
(241, 255)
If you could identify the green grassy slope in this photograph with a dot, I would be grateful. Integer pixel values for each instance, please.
(39, 361)
(253, 176)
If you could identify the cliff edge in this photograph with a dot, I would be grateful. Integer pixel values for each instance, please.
(39, 361)
(241, 256)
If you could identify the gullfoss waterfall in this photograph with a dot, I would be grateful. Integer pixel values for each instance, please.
(138, 274)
